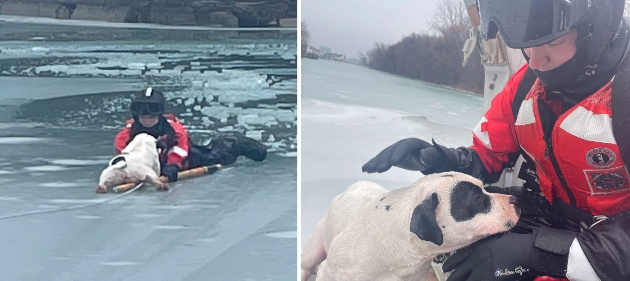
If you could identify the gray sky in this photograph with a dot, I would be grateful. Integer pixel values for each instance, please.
(349, 26)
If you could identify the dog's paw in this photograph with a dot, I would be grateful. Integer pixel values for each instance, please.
(101, 189)
(162, 187)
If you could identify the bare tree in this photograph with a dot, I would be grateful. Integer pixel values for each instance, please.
(448, 15)
(306, 36)
(433, 57)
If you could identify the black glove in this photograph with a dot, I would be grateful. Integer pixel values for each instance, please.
(404, 154)
(511, 256)
(535, 209)
(418, 155)
(170, 171)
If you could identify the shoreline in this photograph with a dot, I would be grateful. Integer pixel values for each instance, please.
(107, 24)
(405, 77)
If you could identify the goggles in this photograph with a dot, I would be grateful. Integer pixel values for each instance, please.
(145, 108)
(530, 23)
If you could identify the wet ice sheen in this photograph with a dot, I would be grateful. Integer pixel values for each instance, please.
(119, 263)
(21, 140)
(79, 162)
(46, 168)
(285, 234)
(59, 184)
(88, 217)
(173, 227)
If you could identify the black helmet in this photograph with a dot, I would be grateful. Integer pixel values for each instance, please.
(148, 102)
(531, 23)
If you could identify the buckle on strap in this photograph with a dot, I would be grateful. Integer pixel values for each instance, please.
(596, 219)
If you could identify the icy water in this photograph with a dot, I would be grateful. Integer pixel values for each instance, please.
(350, 113)
(61, 106)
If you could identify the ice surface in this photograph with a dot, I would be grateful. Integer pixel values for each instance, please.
(286, 234)
(59, 184)
(78, 162)
(46, 168)
(20, 140)
(119, 263)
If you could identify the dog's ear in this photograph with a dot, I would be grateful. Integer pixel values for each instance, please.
(424, 223)
(118, 162)
(120, 165)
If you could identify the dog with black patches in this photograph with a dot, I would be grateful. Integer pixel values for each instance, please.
(138, 162)
(370, 233)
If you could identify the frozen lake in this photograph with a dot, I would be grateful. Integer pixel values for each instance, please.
(61, 106)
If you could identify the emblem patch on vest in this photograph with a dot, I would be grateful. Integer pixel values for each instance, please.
(608, 181)
(601, 158)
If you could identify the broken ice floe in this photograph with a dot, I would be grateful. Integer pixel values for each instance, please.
(223, 87)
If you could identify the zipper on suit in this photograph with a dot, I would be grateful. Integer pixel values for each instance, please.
(549, 153)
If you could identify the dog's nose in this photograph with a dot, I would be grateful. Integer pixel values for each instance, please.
(513, 200)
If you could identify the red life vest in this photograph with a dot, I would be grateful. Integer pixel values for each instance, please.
(588, 164)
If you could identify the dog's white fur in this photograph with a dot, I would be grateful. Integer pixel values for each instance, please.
(141, 163)
(360, 238)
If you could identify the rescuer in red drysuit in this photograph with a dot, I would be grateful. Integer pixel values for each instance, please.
(562, 126)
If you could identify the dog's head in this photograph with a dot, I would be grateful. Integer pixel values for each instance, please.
(454, 210)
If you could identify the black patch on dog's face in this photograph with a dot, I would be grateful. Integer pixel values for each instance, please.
(424, 223)
(387, 207)
(468, 200)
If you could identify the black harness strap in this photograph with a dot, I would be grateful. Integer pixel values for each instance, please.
(523, 89)
(620, 100)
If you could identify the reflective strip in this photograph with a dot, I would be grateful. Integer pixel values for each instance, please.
(482, 135)
(589, 126)
(579, 268)
(179, 151)
(526, 113)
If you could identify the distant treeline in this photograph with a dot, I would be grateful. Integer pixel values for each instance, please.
(435, 58)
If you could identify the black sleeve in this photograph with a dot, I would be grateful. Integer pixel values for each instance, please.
(461, 159)
(471, 164)
(607, 247)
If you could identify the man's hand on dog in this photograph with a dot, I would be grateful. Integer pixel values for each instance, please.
(410, 154)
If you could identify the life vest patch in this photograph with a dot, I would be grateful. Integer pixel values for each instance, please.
(601, 158)
(607, 181)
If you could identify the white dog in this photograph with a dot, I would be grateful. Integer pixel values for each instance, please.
(139, 161)
(370, 233)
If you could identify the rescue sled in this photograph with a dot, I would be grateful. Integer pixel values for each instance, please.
(186, 174)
